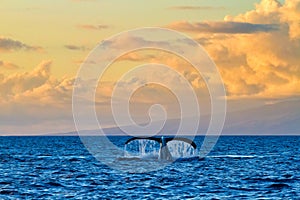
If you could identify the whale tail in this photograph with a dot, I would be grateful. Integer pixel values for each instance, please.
(167, 139)
(164, 153)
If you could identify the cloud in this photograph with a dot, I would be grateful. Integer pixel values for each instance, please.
(266, 16)
(19, 83)
(75, 47)
(34, 100)
(8, 65)
(257, 52)
(7, 44)
(272, 11)
(93, 27)
(37, 87)
(263, 64)
(195, 8)
(223, 27)
(138, 57)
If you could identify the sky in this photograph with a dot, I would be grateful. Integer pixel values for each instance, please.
(255, 45)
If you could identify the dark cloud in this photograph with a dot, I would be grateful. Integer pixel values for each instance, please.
(93, 27)
(224, 27)
(7, 44)
(195, 8)
(75, 48)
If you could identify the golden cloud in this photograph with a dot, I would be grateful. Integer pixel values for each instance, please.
(36, 87)
(34, 100)
(265, 61)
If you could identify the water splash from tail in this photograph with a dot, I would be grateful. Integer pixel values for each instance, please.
(179, 149)
(144, 148)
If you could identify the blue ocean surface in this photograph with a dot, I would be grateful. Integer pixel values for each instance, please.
(239, 167)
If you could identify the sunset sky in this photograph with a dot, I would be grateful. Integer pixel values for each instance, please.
(255, 45)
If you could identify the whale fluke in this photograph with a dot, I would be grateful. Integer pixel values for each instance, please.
(167, 139)
(164, 153)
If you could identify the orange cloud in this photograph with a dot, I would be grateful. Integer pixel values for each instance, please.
(262, 64)
(36, 87)
(271, 11)
(34, 100)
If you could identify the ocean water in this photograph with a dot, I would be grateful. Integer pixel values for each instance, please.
(239, 167)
